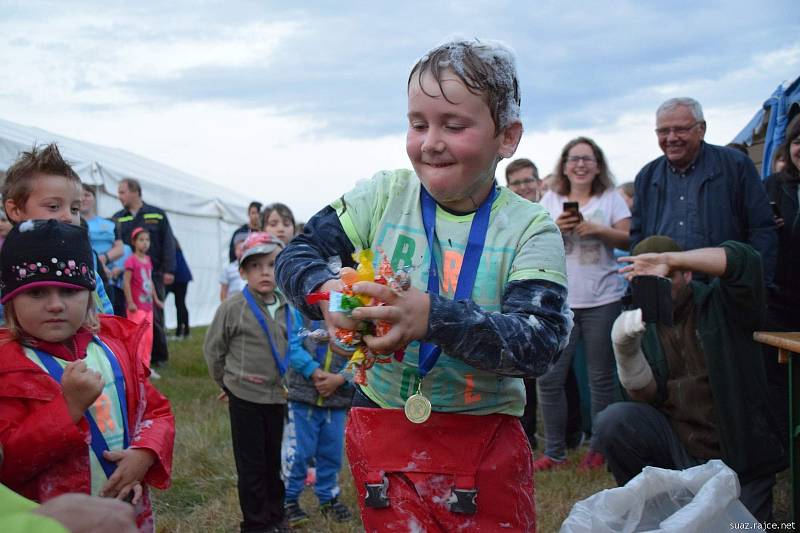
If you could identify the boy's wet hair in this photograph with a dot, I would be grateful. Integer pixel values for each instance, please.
(486, 68)
(19, 178)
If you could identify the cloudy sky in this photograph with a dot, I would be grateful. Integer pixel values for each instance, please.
(295, 102)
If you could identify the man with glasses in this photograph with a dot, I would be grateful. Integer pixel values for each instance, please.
(522, 177)
(700, 194)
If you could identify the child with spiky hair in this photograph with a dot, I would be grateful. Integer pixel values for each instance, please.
(40, 184)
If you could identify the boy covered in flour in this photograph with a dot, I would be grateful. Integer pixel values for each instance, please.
(486, 305)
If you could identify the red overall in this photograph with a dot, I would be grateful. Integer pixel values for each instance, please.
(431, 473)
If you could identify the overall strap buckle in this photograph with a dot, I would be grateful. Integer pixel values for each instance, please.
(463, 496)
(377, 486)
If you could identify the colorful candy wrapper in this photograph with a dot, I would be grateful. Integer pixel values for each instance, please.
(345, 301)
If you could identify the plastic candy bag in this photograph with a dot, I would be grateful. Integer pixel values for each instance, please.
(704, 499)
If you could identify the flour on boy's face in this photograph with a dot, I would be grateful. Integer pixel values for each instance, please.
(451, 139)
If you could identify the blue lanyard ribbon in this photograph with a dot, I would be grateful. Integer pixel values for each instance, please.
(280, 360)
(99, 444)
(429, 353)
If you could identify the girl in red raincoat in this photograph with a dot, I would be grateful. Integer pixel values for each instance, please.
(77, 412)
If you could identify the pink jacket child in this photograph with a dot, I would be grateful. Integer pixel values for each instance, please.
(140, 293)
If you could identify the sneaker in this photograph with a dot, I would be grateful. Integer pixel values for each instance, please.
(336, 510)
(545, 462)
(295, 516)
(154, 374)
(591, 461)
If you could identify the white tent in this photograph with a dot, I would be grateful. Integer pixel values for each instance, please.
(203, 215)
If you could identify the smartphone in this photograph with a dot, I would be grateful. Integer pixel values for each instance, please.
(653, 295)
(775, 211)
(573, 208)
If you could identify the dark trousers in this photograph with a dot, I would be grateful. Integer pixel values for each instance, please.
(179, 288)
(574, 419)
(633, 435)
(160, 350)
(257, 431)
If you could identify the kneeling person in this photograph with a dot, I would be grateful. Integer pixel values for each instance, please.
(698, 386)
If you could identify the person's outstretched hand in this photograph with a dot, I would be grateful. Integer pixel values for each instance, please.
(645, 265)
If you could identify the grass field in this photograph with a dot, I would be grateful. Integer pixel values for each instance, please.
(203, 493)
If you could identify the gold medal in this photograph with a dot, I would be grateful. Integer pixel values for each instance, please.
(418, 407)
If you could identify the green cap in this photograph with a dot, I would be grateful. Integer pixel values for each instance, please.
(657, 244)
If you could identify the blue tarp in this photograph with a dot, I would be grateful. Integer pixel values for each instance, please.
(779, 106)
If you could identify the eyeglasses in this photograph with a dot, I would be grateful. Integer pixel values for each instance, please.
(525, 181)
(680, 131)
(578, 158)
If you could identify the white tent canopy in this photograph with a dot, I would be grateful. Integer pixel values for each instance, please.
(203, 215)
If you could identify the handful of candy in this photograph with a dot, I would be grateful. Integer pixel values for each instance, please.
(345, 301)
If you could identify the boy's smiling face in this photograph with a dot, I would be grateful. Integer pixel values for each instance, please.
(452, 144)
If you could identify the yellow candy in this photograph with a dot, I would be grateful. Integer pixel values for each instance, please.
(358, 357)
(365, 270)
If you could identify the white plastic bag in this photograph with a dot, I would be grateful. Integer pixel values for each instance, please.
(704, 498)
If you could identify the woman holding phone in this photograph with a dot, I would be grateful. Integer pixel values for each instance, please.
(594, 219)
